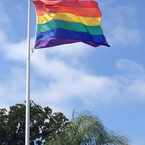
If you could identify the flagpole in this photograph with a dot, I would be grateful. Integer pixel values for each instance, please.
(27, 123)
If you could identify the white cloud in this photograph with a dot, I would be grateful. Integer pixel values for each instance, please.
(120, 24)
(69, 82)
(138, 89)
(16, 51)
(12, 87)
(131, 69)
(124, 36)
(5, 20)
(64, 81)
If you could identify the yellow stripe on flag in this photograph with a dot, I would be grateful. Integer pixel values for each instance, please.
(90, 21)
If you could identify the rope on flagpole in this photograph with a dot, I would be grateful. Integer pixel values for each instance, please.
(27, 123)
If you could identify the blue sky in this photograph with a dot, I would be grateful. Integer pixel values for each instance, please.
(108, 82)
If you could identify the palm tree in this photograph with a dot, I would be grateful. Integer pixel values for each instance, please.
(86, 130)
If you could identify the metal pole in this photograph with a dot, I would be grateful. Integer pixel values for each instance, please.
(27, 123)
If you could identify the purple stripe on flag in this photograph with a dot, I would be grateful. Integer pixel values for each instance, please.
(52, 42)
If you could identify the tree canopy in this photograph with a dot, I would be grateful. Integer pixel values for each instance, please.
(53, 128)
(87, 130)
(44, 123)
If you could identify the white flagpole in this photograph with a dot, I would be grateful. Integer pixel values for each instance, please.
(27, 123)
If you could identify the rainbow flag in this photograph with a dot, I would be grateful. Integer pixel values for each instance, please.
(68, 21)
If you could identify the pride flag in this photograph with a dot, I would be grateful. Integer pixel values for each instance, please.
(68, 21)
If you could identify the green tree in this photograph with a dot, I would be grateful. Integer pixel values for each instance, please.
(3, 126)
(88, 130)
(43, 123)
